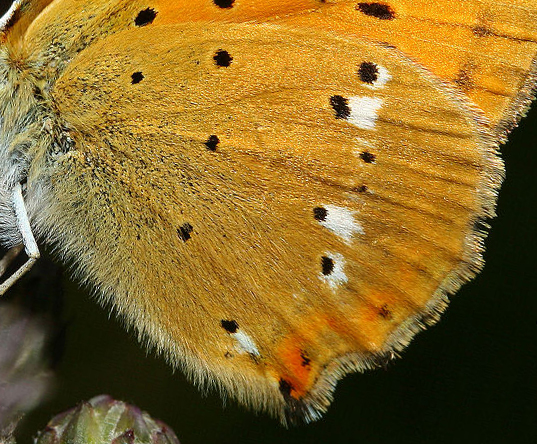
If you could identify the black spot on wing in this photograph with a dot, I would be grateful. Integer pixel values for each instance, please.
(145, 17)
(341, 107)
(285, 388)
(320, 213)
(367, 157)
(229, 326)
(224, 4)
(464, 79)
(385, 312)
(222, 58)
(327, 265)
(184, 232)
(368, 72)
(212, 142)
(306, 361)
(382, 11)
(136, 77)
(360, 189)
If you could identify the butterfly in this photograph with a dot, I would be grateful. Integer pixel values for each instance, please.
(274, 195)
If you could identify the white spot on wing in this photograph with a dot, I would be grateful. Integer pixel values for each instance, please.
(245, 344)
(338, 276)
(383, 77)
(364, 111)
(340, 221)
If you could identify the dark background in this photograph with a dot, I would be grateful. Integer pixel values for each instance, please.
(470, 379)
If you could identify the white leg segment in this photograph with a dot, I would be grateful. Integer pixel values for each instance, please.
(30, 245)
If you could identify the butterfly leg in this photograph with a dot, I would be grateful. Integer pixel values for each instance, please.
(28, 240)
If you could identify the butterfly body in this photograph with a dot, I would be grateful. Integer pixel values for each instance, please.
(272, 202)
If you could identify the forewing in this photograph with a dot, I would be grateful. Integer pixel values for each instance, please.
(487, 48)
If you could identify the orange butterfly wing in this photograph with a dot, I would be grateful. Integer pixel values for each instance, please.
(272, 206)
(487, 48)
